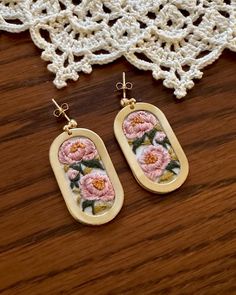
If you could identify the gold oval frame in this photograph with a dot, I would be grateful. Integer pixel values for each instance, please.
(71, 204)
(142, 179)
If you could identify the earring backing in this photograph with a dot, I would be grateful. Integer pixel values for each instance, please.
(61, 110)
(125, 86)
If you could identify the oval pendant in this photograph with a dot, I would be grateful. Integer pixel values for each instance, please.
(86, 176)
(151, 148)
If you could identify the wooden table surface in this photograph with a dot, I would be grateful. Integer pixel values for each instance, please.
(180, 243)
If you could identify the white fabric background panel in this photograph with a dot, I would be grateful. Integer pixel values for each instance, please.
(173, 39)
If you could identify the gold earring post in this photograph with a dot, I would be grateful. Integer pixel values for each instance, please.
(61, 110)
(125, 86)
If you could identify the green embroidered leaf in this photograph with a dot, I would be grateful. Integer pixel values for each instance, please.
(172, 165)
(138, 142)
(74, 183)
(92, 164)
(77, 167)
(164, 142)
(88, 203)
(151, 134)
(77, 178)
(161, 143)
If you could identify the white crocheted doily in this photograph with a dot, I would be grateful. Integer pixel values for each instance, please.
(174, 39)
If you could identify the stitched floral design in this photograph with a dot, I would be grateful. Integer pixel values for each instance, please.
(72, 174)
(86, 175)
(96, 186)
(151, 146)
(159, 137)
(80, 149)
(153, 161)
(137, 123)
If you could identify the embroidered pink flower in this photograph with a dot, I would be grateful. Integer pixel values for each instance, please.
(72, 174)
(96, 186)
(137, 123)
(159, 136)
(76, 150)
(153, 161)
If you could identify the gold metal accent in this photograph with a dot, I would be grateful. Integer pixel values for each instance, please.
(125, 86)
(69, 196)
(138, 173)
(61, 110)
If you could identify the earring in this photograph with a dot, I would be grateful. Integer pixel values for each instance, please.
(85, 174)
(149, 144)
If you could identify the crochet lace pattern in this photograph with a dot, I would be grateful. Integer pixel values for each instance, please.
(174, 39)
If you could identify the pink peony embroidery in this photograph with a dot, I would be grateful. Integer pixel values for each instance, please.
(72, 174)
(137, 123)
(159, 136)
(96, 186)
(76, 150)
(153, 161)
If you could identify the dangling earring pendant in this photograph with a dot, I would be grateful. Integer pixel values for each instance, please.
(85, 174)
(149, 144)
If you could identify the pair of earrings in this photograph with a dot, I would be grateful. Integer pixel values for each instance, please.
(84, 171)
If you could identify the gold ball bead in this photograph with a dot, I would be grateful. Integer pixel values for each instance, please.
(73, 123)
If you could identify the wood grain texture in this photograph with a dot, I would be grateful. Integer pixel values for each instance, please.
(180, 243)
